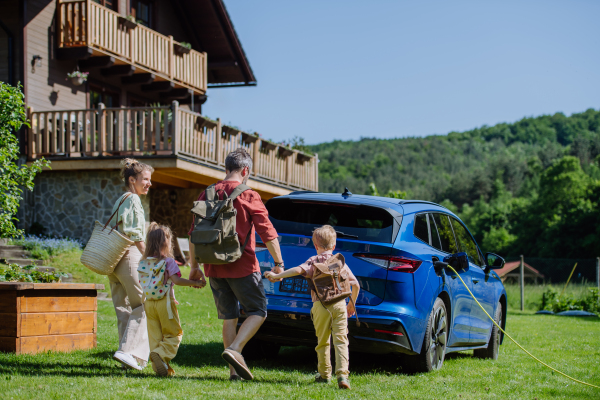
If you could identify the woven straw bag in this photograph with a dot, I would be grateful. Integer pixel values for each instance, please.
(105, 248)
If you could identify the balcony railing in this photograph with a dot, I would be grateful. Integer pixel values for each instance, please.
(86, 23)
(163, 131)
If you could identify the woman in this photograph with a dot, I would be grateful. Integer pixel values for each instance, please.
(124, 284)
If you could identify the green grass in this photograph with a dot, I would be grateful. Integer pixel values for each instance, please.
(569, 344)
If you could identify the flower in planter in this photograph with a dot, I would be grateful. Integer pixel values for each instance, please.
(186, 45)
(78, 77)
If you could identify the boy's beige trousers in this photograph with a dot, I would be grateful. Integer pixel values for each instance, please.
(337, 327)
(127, 299)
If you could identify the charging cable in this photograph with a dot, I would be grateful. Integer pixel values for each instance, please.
(521, 347)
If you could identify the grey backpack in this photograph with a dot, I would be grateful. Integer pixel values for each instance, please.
(214, 236)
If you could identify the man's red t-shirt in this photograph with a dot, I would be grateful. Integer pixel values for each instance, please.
(250, 210)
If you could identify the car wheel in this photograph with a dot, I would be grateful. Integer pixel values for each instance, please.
(257, 349)
(434, 343)
(491, 351)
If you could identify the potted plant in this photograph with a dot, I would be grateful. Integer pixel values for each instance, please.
(128, 22)
(183, 47)
(78, 77)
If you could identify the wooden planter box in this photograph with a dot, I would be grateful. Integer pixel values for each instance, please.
(37, 317)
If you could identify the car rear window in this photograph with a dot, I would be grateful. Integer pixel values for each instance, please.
(357, 222)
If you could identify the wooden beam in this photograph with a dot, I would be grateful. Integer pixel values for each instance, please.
(161, 86)
(177, 94)
(222, 64)
(74, 53)
(198, 99)
(118, 70)
(138, 79)
(97, 62)
(171, 180)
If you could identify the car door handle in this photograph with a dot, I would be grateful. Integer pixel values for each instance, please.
(475, 280)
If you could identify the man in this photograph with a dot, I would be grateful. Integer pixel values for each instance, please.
(240, 281)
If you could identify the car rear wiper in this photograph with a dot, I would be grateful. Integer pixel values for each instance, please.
(342, 234)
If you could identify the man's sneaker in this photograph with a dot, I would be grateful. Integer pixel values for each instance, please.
(127, 360)
(320, 379)
(161, 367)
(343, 382)
(237, 362)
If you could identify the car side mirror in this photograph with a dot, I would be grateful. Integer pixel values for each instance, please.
(493, 261)
(458, 261)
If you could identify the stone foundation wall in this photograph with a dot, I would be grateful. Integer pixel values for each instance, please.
(173, 208)
(67, 203)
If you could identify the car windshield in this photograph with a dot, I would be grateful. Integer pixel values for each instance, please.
(357, 222)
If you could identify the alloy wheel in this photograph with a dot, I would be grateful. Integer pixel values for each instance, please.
(437, 343)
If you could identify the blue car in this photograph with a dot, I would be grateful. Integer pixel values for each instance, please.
(409, 302)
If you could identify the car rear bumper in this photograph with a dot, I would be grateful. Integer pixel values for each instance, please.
(374, 335)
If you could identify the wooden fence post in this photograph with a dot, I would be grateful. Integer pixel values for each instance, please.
(316, 158)
(175, 128)
(101, 129)
(171, 61)
(598, 276)
(218, 141)
(522, 281)
(88, 26)
(255, 156)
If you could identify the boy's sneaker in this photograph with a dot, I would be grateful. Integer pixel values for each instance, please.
(161, 367)
(343, 382)
(320, 379)
(237, 362)
(127, 360)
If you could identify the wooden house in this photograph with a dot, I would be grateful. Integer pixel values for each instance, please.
(510, 273)
(150, 65)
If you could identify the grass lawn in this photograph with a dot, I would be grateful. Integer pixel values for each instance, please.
(569, 344)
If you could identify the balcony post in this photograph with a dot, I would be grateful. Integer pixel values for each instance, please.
(88, 27)
(290, 161)
(175, 128)
(101, 129)
(255, 156)
(218, 142)
(171, 60)
(30, 132)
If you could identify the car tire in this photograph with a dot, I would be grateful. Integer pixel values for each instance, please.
(257, 349)
(491, 351)
(433, 350)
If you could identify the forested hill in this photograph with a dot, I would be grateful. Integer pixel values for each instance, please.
(530, 187)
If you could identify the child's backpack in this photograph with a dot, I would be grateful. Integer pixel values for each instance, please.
(214, 236)
(151, 275)
(331, 281)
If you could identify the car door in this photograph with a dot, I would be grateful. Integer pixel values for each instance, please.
(481, 287)
(443, 239)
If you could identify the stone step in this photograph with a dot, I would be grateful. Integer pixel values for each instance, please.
(10, 247)
(103, 296)
(5, 254)
(24, 261)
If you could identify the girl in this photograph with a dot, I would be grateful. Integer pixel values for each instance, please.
(158, 273)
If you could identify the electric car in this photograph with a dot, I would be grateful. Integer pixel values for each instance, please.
(410, 302)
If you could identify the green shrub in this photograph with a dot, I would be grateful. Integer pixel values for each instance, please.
(553, 301)
(15, 273)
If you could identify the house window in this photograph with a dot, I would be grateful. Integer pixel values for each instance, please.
(112, 4)
(100, 95)
(142, 11)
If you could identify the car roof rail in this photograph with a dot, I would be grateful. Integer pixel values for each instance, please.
(419, 202)
(302, 192)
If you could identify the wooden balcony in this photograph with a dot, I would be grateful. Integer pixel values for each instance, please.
(99, 31)
(183, 146)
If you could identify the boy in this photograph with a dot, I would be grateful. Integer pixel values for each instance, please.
(328, 320)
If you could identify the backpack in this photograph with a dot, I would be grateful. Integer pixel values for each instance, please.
(214, 236)
(331, 281)
(151, 277)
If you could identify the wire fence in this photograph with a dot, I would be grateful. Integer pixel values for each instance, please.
(557, 270)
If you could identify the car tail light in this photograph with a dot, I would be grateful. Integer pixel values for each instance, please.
(389, 332)
(392, 263)
(260, 247)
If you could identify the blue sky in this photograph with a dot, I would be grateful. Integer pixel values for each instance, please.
(344, 69)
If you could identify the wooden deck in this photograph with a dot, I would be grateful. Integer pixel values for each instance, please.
(85, 23)
(184, 146)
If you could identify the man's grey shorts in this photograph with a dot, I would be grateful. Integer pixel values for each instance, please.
(248, 291)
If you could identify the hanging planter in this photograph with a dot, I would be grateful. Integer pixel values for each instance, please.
(128, 22)
(78, 77)
(183, 48)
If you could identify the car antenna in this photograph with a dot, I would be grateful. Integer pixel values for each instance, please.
(347, 193)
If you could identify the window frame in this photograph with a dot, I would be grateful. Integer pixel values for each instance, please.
(428, 228)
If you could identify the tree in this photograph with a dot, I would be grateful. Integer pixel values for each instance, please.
(13, 176)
